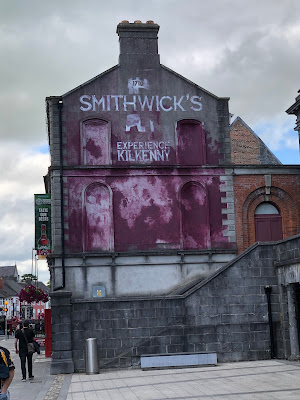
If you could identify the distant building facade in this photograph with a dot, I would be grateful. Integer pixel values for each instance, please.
(153, 192)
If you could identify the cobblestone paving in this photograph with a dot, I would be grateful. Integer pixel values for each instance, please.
(55, 388)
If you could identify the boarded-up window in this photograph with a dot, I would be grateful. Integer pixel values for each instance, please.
(190, 143)
(268, 223)
(98, 221)
(95, 142)
(195, 217)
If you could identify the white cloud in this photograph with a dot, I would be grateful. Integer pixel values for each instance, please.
(246, 50)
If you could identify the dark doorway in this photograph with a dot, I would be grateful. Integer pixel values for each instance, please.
(297, 304)
(268, 223)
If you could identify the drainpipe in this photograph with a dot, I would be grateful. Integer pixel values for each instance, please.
(268, 290)
(60, 105)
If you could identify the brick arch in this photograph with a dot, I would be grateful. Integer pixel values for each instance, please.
(282, 200)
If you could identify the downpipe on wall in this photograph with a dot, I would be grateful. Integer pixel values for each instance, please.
(60, 106)
(268, 290)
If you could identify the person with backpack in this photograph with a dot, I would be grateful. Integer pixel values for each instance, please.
(7, 372)
(24, 335)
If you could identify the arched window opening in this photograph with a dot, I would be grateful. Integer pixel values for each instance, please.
(266, 208)
(268, 223)
(98, 222)
(190, 143)
(194, 217)
(95, 142)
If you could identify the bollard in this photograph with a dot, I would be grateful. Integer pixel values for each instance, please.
(91, 357)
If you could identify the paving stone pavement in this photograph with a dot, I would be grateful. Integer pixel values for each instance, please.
(44, 386)
(255, 380)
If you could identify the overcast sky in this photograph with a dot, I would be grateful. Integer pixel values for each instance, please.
(246, 50)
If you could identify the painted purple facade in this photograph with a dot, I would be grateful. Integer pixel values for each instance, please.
(138, 158)
(143, 158)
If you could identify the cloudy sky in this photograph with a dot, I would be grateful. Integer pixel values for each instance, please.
(247, 50)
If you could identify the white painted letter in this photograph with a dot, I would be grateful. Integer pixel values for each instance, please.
(161, 103)
(194, 101)
(89, 106)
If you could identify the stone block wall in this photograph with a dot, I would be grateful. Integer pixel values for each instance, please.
(127, 329)
(227, 314)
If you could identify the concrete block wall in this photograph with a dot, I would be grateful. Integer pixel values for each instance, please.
(127, 329)
(227, 314)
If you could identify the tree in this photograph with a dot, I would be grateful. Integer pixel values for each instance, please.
(27, 277)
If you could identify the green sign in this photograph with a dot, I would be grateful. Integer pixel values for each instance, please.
(42, 206)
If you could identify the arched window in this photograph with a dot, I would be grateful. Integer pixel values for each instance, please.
(95, 137)
(98, 218)
(268, 223)
(194, 217)
(190, 143)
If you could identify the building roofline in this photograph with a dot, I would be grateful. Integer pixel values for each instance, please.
(252, 131)
(193, 83)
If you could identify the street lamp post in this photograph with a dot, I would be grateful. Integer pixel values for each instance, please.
(5, 309)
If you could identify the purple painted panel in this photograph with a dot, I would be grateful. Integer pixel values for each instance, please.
(147, 210)
(195, 217)
(98, 219)
(191, 143)
(145, 214)
(95, 142)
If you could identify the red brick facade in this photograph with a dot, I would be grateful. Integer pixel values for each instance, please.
(244, 145)
(250, 190)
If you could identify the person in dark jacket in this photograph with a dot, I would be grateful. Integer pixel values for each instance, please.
(4, 383)
(22, 350)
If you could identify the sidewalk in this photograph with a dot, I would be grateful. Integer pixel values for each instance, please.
(256, 380)
(44, 386)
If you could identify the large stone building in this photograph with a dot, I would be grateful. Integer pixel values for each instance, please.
(154, 194)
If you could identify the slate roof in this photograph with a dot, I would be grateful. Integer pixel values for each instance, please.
(9, 271)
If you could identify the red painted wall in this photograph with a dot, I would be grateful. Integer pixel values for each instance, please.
(142, 165)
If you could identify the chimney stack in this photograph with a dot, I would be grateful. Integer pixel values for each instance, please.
(138, 43)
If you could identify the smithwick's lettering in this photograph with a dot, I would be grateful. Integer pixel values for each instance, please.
(140, 103)
(143, 151)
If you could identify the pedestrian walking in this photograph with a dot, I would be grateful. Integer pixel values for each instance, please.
(22, 337)
(7, 372)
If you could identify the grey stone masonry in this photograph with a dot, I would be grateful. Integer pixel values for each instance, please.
(227, 313)
(228, 221)
(53, 129)
(224, 131)
(62, 361)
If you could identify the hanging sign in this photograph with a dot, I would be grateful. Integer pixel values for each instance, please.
(42, 205)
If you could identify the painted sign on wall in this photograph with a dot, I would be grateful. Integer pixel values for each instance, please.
(138, 111)
(42, 205)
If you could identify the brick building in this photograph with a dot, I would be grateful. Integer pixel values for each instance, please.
(154, 194)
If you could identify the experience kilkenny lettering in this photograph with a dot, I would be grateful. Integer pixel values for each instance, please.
(143, 151)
